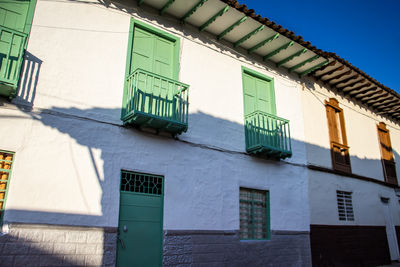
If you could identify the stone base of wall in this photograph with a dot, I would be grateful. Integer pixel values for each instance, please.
(49, 245)
(224, 248)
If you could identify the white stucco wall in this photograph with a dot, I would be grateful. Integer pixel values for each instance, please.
(67, 170)
(366, 197)
(365, 158)
(361, 131)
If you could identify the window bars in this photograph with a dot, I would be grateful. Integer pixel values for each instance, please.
(254, 215)
(141, 183)
(345, 206)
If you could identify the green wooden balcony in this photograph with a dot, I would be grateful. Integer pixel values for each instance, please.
(155, 101)
(12, 45)
(267, 135)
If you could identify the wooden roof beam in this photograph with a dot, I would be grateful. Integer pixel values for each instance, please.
(331, 71)
(192, 10)
(361, 88)
(230, 28)
(374, 96)
(301, 74)
(247, 36)
(368, 93)
(279, 49)
(338, 76)
(262, 43)
(291, 57)
(344, 81)
(347, 87)
(166, 6)
(384, 101)
(301, 64)
(330, 64)
(213, 18)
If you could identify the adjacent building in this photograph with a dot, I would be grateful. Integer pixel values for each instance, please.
(188, 133)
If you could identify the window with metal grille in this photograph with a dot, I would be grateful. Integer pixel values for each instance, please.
(6, 159)
(345, 206)
(254, 214)
(141, 183)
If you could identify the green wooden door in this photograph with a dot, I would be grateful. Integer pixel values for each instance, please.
(155, 53)
(140, 221)
(15, 19)
(258, 94)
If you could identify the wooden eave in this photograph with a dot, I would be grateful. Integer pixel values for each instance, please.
(244, 29)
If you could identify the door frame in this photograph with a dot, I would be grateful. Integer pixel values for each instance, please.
(162, 210)
(390, 233)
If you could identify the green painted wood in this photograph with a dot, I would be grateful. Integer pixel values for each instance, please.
(15, 24)
(141, 215)
(152, 95)
(265, 133)
(213, 18)
(247, 36)
(230, 28)
(258, 92)
(301, 64)
(260, 44)
(320, 65)
(166, 6)
(193, 10)
(279, 49)
(291, 57)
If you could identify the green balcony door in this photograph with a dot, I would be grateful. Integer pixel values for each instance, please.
(13, 14)
(154, 51)
(15, 19)
(140, 221)
(258, 92)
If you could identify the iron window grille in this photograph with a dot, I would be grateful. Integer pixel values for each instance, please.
(141, 183)
(254, 214)
(345, 206)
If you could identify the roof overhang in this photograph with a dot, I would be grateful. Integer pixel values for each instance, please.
(235, 23)
(227, 21)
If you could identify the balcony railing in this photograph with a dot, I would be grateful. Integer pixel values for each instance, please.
(155, 101)
(267, 135)
(12, 45)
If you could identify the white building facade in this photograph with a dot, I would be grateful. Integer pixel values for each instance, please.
(170, 133)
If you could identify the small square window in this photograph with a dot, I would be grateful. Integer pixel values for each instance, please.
(254, 214)
(345, 206)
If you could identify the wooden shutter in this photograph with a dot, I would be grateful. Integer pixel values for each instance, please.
(337, 134)
(5, 169)
(388, 164)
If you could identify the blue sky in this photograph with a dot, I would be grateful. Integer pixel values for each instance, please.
(365, 33)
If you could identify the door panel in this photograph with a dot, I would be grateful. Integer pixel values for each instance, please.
(143, 44)
(258, 95)
(140, 229)
(13, 14)
(250, 94)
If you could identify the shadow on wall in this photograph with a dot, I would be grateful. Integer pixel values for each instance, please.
(28, 81)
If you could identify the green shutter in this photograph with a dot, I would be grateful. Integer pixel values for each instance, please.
(15, 24)
(13, 14)
(258, 91)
